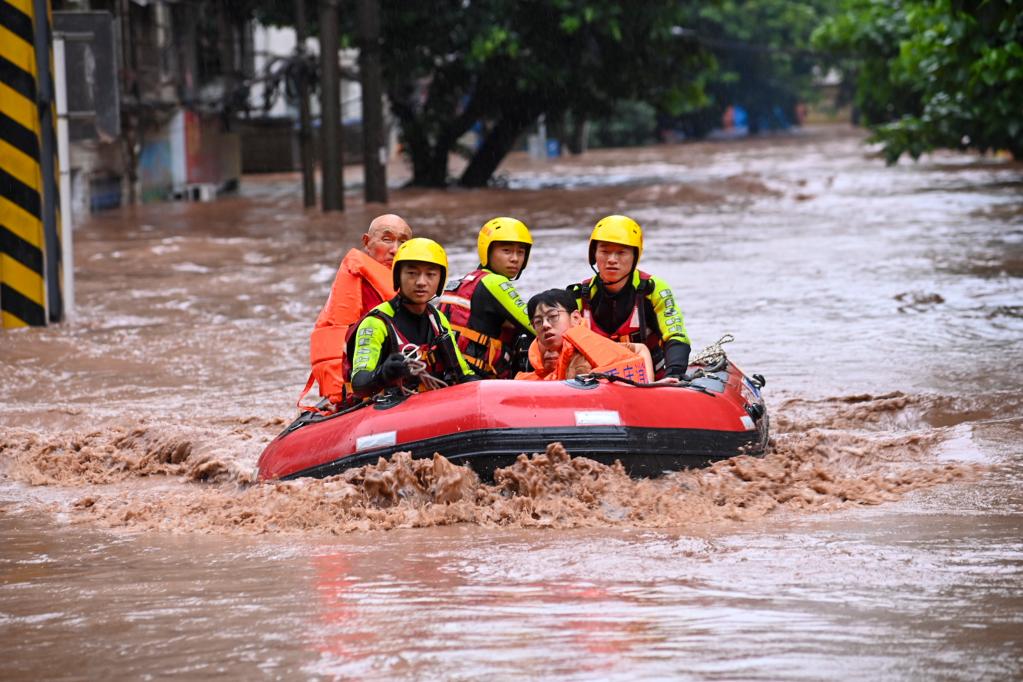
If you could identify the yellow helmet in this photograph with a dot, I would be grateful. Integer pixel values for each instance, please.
(617, 229)
(421, 250)
(503, 230)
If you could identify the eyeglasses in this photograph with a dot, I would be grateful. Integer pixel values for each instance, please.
(551, 318)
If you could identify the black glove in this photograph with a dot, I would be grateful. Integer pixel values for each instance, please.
(394, 367)
(676, 359)
(519, 356)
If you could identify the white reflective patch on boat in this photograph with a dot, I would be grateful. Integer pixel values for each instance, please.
(597, 418)
(376, 440)
(747, 422)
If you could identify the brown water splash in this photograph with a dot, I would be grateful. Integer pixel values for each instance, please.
(863, 411)
(812, 471)
(158, 475)
(892, 411)
(421, 480)
(120, 453)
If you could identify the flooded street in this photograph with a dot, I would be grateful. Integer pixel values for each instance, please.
(881, 537)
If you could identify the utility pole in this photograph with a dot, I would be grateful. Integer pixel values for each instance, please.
(330, 108)
(374, 150)
(305, 140)
(131, 136)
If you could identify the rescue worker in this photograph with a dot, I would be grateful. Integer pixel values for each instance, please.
(407, 325)
(363, 281)
(485, 310)
(565, 347)
(624, 303)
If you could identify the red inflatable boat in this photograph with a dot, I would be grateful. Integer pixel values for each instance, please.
(487, 424)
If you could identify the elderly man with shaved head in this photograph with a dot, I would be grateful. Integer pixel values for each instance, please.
(363, 282)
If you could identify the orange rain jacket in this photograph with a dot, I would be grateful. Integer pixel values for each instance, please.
(602, 354)
(343, 309)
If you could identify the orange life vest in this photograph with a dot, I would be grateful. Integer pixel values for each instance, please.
(635, 327)
(603, 354)
(343, 309)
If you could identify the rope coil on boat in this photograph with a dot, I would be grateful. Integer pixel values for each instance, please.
(713, 354)
(417, 368)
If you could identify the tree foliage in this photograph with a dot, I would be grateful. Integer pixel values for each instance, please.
(631, 124)
(933, 73)
(450, 64)
(495, 66)
(764, 61)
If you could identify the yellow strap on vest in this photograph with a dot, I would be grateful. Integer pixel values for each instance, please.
(492, 345)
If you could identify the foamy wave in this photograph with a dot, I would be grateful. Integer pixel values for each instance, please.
(208, 478)
(121, 453)
(893, 411)
(809, 472)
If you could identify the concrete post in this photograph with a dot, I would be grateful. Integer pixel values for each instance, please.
(330, 126)
(374, 149)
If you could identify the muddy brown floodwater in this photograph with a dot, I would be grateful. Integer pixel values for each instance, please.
(879, 538)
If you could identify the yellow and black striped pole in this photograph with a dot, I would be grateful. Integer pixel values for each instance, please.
(30, 291)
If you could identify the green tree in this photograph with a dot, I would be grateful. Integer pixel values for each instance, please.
(631, 124)
(763, 59)
(933, 73)
(450, 65)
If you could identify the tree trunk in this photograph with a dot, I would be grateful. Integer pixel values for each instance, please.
(430, 159)
(495, 147)
(305, 136)
(373, 149)
(578, 142)
(753, 118)
(436, 168)
(427, 169)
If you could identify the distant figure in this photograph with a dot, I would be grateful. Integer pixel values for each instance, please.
(565, 348)
(363, 281)
(484, 308)
(405, 332)
(626, 304)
